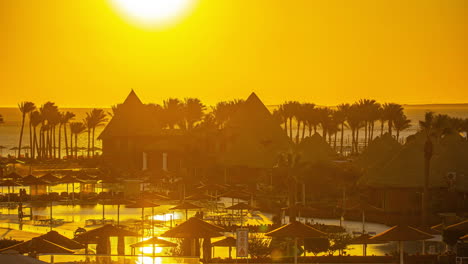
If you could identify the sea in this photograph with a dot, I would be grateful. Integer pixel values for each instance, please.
(10, 129)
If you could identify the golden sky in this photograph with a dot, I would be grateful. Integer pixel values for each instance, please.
(85, 53)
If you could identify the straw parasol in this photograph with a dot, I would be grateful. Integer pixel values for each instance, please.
(56, 238)
(101, 235)
(241, 207)
(68, 179)
(185, 206)
(7, 257)
(113, 201)
(364, 207)
(49, 177)
(194, 228)
(296, 230)
(199, 196)
(9, 183)
(461, 226)
(13, 176)
(465, 237)
(401, 233)
(191, 230)
(364, 240)
(154, 241)
(229, 242)
(40, 246)
(142, 203)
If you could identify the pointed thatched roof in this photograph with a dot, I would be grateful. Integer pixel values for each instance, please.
(132, 118)
(226, 242)
(406, 168)
(39, 245)
(379, 151)
(55, 237)
(154, 241)
(401, 233)
(296, 230)
(315, 149)
(104, 231)
(185, 206)
(254, 138)
(240, 206)
(364, 239)
(194, 228)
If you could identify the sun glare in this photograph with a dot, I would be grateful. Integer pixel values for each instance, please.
(154, 13)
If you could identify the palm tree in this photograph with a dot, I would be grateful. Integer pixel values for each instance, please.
(88, 123)
(98, 118)
(66, 117)
(193, 111)
(427, 127)
(278, 115)
(391, 111)
(76, 128)
(324, 117)
(25, 108)
(401, 123)
(174, 112)
(1, 119)
(223, 111)
(290, 110)
(340, 116)
(35, 119)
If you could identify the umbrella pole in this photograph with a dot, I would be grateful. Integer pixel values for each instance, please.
(424, 247)
(142, 223)
(401, 252)
(295, 250)
(51, 203)
(118, 214)
(364, 249)
(186, 214)
(152, 228)
(103, 213)
(363, 222)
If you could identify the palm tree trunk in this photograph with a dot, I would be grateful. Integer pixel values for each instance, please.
(298, 131)
(53, 142)
(94, 150)
(66, 140)
(60, 142)
(334, 141)
(341, 139)
(357, 140)
(303, 129)
(310, 130)
(89, 141)
(30, 137)
(381, 127)
(390, 127)
(35, 144)
(21, 135)
(352, 139)
(365, 134)
(76, 146)
(290, 128)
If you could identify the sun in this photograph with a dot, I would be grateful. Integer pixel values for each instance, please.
(154, 13)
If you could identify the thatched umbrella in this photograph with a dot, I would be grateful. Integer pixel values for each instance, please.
(401, 233)
(465, 237)
(229, 242)
(56, 238)
(9, 183)
(241, 207)
(199, 196)
(461, 226)
(154, 241)
(185, 206)
(141, 203)
(113, 201)
(39, 245)
(101, 235)
(193, 229)
(68, 179)
(364, 240)
(16, 258)
(296, 230)
(14, 149)
(13, 176)
(30, 181)
(364, 207)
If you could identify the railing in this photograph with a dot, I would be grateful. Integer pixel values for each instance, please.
(116, 259)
